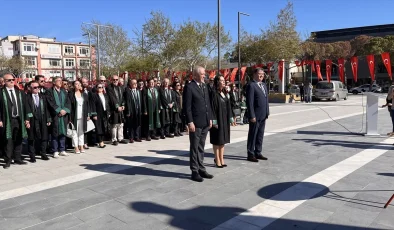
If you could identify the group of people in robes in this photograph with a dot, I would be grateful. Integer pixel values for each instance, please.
(58, 118)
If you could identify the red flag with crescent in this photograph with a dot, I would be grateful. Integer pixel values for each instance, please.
(312, 63)
(280, 70)
(233, 74)
(371, 65)
(387, 63)
(243, 69)
(317, 62)
(328, 70)
(297, 63)
(354, 63)
(212, 74)
(341, 65)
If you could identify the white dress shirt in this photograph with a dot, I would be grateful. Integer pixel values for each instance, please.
(16, 99)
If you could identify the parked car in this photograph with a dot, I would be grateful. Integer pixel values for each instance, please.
(366, 88)
(333, 90)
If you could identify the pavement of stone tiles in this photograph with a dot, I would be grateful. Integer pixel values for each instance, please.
(160, 195)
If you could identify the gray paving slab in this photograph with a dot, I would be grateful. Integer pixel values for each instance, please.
(63, 222)
(96, 211)
(19, 222)
(9, 203)
(131, 188)
(24, 209)
(103, 223)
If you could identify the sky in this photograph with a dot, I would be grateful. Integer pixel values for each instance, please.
(63, 18)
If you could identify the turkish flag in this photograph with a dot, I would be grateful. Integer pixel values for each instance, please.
(312, 63)
(387, 63)
(371, 65)
(354, 62)
(298, 63)
(233, 73)
(212, 74)
(243, 69)
(280, 70)
(341, 65)
(317, 62)
(328, 70)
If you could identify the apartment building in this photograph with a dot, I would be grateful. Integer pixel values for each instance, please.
(51, 58)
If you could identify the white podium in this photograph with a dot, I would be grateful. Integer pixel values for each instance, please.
(372, 114)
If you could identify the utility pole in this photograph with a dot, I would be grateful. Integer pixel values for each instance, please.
(98, 43)
(239, 52)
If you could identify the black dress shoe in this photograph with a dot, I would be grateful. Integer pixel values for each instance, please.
(206, 175)
(162, 137)
(176, 134)
(196, 177)
(224, 165)
(20, 162)
(137, 140)
(44, 157)
(253, 159)
(115, 143)
(131, 141)
(261, 157)
(148, 139)
(217, 166)
(124, 142)
(7, 165)
(102, 146)
(180, 134)
(170, 136)
(155, 138)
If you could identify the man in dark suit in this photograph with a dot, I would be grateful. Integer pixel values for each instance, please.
(199, 119)
(40, 119)
(258, 112)
(14, 120)
(133, 111)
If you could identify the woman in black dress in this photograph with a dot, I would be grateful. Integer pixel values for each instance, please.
(177, 109)
(221, 110)
(101, 105)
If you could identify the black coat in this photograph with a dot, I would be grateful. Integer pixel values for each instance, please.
(197, 105)
(177, 108)
(116, 117)
(166, 112)
(23, 111)
(133, 108)
(101, 123)
(54, 109)
(221, 110)
(38, 117)
(74, 109)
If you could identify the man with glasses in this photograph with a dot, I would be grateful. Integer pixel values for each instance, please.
(14, 120)
(40, 120)
(59, 108)
(117, 106)
(166, 109)
(133, 111)
(40, 79)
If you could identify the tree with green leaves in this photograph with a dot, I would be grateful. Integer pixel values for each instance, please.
(114, 45)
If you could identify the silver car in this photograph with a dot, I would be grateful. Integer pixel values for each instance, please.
(333, 90)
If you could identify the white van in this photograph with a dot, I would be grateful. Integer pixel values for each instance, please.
(333, 90)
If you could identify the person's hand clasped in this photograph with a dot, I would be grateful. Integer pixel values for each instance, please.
(253, 120)
(192, 128)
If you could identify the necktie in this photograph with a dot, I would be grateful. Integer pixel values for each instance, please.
(262, 88)
(36, 99)
(202, 89)
(14, 109)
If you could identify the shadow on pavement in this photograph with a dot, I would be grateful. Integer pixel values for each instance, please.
(133, 170)
(386, 174)
(329, 133)
(208, 217)
(347, 144)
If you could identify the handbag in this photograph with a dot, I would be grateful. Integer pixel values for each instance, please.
(90, 126)
(71, 132)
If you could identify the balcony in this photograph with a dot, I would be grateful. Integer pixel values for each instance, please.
(29, 53)
(69, 54)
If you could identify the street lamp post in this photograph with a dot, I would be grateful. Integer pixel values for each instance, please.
(239, 52)
(98, 42)
(90, 52)
(219, 37)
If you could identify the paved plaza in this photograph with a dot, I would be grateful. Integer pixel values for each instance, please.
(320, 174)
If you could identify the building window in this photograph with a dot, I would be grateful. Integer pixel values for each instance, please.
(69, 74)
(84, 63)
(30, 61)
(53, 49)
(54, 62)
(69, 49)
(29, 47)
(70, 62)
(30, 75)
(55, 73)
(83, 50)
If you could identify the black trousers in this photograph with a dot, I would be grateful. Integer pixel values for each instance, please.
(13, 147)
(37, 146)
(255, 138)
(150, 133)
(302, 96)
(165, 130)
(197, 146)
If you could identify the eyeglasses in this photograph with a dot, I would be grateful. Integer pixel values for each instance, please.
(115, 79)
(100, 87)
(42, 81)
(35, 87)
(103, 80)
(9, 80)
(178, 85)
